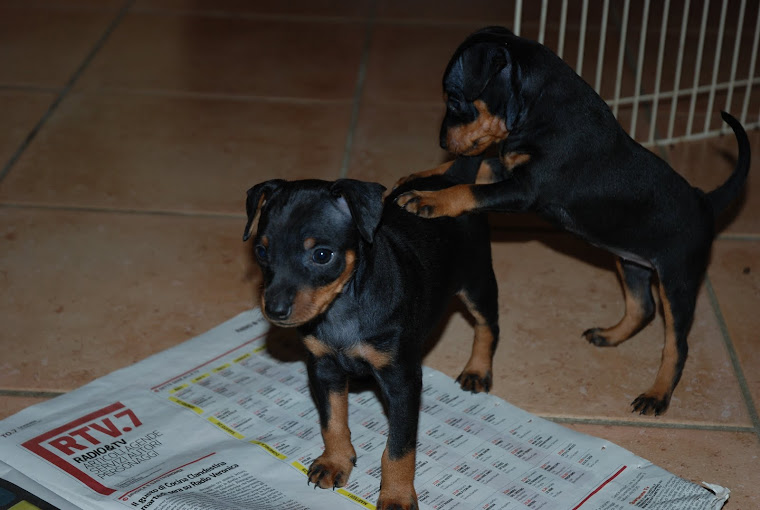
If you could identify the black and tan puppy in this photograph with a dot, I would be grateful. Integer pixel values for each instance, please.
(365, 284)
(564, 156)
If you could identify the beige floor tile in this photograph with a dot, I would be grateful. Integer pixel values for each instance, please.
(228, 55)
(44, 47)
(393, 140)
(406, 62)
(21, 112)
(551, 290)
(88, 293)
(164, 153)
(735, 276)
(707, 164)
(11, 405)
(328, 8)
(728, 459)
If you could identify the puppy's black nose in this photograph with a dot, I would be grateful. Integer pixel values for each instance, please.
(278, 310)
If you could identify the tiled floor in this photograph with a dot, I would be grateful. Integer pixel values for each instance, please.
(129, 133)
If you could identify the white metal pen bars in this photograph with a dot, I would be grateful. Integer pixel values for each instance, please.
(665, 67)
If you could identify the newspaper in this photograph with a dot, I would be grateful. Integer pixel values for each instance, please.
(217, 424)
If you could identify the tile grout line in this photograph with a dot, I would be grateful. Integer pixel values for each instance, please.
(216, 96)
(31, 393)
(650, 424)
(65, 90)
(738, 237)
(733, 357)
(358, 91)
(126, 211)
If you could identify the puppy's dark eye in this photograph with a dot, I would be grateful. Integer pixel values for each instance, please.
(261, 252)
(322, 256)
(454, 104)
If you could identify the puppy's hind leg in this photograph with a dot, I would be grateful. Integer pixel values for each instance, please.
(639, 306)
(481, 299)
(678, 295)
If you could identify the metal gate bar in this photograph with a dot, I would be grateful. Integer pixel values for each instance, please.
(661, 102)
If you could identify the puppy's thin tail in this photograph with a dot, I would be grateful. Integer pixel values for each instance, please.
(722, 196)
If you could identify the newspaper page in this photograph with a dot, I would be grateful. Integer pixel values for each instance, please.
(217, 424)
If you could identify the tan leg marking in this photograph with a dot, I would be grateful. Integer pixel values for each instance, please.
(397, 482)
(473, 138)
(452, 201)
(512, 160)
(477, 373)
(631, 321)
(656, 399)
(333, 467)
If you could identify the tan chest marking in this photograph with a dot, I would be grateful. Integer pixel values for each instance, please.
(316, 347)
(378, 359)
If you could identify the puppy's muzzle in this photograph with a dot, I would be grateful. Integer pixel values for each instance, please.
(278, 306)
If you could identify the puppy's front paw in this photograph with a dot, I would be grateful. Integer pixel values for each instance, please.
(475, 382)
(419, 203)
(398, 502)
(329, 472)
(650, 404)
(404, 180)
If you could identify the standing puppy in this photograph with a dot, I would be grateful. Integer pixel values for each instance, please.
(365, 284)
(564, 156)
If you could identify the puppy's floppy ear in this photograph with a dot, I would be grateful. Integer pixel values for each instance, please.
(478, 65)
(364, 201)
(257, 195)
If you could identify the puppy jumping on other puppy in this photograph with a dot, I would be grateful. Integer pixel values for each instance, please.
(564, 156)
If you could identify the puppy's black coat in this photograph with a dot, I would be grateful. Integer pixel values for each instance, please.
(365, 284)
(564, 156)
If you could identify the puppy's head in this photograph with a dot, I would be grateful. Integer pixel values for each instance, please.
(306, 237)
(480, 92)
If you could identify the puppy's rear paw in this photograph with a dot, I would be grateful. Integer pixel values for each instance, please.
(475, 382)
(650, 404)
(594, 336)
